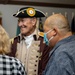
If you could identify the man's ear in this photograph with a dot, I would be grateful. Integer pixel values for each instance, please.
(34, 21)
(55, 29)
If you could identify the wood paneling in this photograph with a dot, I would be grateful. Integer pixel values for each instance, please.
(46, 4)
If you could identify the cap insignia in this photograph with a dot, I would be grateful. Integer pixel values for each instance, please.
(31, 12)
(41, 34)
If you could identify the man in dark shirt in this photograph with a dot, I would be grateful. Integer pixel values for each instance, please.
(59, 36)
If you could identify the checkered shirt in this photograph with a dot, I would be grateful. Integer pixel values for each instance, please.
(10, 66)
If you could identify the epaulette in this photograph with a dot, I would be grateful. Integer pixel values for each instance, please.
(12, 40)
(41, 34)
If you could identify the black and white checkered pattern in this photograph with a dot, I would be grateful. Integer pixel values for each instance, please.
(10, 66)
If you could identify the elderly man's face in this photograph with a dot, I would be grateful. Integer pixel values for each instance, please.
(48, 34)
(46, 28)
(26, 25)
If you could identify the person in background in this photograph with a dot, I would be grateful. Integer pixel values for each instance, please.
(58, 35)
(28, 46)
(8, 65)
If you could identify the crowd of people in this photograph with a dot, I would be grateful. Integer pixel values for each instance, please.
(50, 52)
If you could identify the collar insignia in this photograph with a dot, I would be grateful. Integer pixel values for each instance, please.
(41, 34)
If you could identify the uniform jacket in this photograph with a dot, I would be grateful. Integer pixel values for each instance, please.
(38, 55)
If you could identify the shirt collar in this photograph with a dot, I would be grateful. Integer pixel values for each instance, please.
(35, 33)
(63, 41)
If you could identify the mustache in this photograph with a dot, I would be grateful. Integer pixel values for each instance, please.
(23, 26)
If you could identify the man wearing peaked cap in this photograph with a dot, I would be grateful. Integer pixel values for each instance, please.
(28, 46)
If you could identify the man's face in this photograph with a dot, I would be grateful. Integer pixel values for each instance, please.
(26, 25)
(46, 29)
(53, 35)
(48, 36)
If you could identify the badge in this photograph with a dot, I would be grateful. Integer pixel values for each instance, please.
(31, 12)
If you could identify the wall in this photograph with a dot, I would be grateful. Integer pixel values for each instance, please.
(10, 23)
